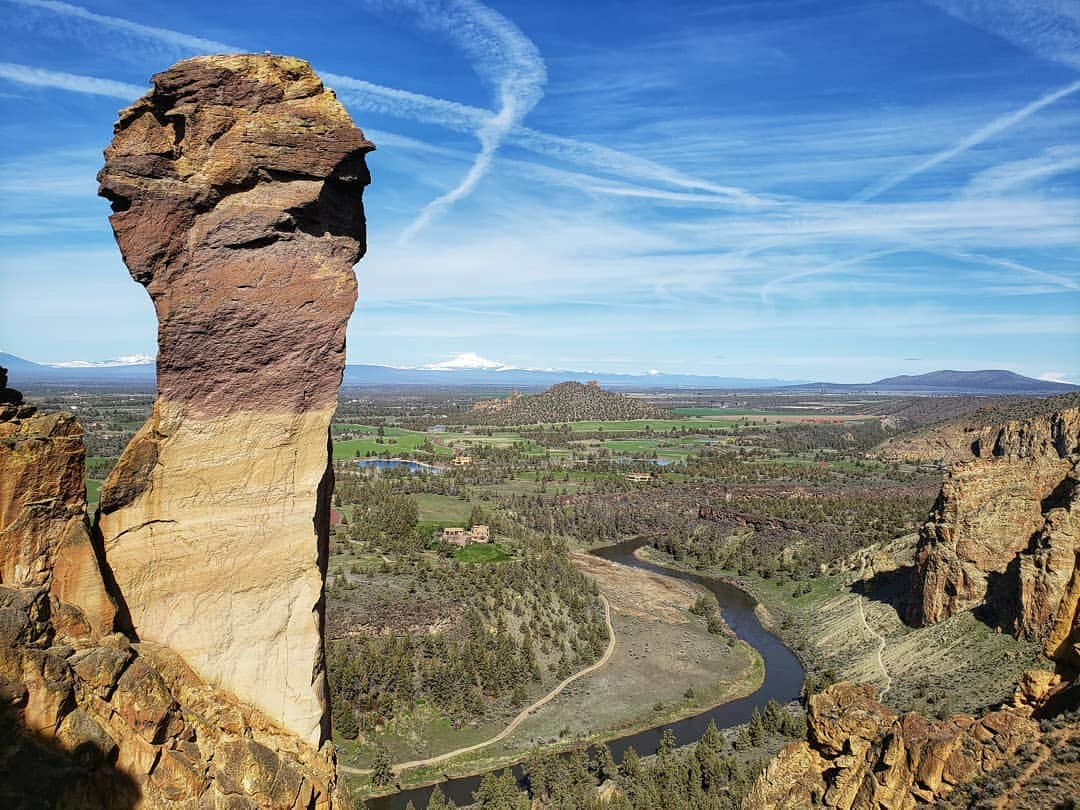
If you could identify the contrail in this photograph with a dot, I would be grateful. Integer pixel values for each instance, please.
(502, 55)
(152, 32)
(450, 114)
(995, 127)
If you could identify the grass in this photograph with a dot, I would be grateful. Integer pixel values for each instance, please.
(93, 493)
(405, 442)
(481, 553)
(443, 510)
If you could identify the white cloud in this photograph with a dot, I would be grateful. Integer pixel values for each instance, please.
(502, 56)
(1047, 28)
(1012, 174)
(522, 83)
(1055, 376)
(995, 127)
(122, 360)
(39, 77)
(175, 38)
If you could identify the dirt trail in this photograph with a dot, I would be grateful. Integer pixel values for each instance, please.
(876, 634)
(521, 716)
(1005, 799)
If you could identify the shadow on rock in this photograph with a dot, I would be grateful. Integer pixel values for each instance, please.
(892, 588)
(37, 775)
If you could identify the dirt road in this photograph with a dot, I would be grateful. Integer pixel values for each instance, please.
(520, 718)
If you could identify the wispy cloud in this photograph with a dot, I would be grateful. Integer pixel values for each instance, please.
(1047, 28)
(175, 38)
(1015, 174)
(995, 127)
(39, 77)
(511, 63)
(504, 57)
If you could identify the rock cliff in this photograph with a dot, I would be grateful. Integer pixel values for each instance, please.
(236, 186)
(964, 437)
(859, 754)
(44, 533)
(1004, 535)
(171, 655)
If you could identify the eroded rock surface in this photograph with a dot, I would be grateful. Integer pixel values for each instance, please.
(860, 754)
(236, 186)
(1004, 535)
(117, 724)
(44, 534)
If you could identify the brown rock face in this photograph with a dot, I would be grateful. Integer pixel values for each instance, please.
(1005, 533)
(44, 534)
(236, 186)
(861, 755)
(120, 725)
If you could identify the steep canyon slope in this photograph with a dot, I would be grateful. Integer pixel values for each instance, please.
(1004, 535)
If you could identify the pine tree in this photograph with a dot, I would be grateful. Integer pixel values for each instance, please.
(711, 739)
(667, 743)
(499, 792)
(605, 764)
(382, 773)
(631, 764)
(438, 801)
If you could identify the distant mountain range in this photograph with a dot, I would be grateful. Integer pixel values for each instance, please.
(989, 381)
(141, 377)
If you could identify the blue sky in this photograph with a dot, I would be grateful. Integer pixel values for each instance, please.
(799, 189)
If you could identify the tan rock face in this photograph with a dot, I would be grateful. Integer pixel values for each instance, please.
(44, 539)
(236, 185)
(861, 755)
(1004, 533)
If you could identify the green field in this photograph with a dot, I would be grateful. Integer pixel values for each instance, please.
(442, 510)
(742, 412)
(481, 553)
(93, 493)
(638, 425)
(395, 440)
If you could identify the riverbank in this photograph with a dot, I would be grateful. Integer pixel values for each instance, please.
(665, 668)
(846, 626)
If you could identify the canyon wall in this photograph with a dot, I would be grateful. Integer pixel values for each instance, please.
(236, 186)
(1004, 535)
(860, 754)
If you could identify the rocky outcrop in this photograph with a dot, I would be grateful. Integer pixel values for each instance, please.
(44, 534)
(116, 724)
(236, 186)
(859, 754)
(172, 655)
(976, 433)
(1004, 535)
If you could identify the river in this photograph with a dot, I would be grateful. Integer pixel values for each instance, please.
(783, 681)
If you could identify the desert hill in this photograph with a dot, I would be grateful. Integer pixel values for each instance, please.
(952, 439)
(936, 383)
(565, 402)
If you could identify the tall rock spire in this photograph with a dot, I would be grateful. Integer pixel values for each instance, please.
(236, 185)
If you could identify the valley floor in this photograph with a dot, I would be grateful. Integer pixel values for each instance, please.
(665, 665)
